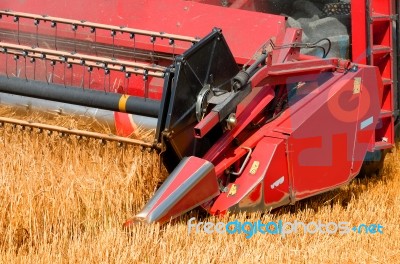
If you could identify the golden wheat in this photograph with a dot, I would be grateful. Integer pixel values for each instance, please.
(63, 200)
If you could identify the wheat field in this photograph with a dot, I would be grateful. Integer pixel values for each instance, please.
(63, 200)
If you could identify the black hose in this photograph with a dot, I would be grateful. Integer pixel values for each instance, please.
(243, 77)
(307, 46)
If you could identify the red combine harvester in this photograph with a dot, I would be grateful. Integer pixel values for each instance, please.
(245, 118)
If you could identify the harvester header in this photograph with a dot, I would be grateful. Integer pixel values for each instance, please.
(243, 120)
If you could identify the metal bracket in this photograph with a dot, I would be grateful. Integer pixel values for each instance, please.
(244, 163)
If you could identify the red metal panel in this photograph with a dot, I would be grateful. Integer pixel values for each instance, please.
(319, 157)
(283, 72)
(324, 157)
(191, 184)
(240, 4)
(244, 31)
(277, 182)
(244, 193)
(254, 108)
(359, 32)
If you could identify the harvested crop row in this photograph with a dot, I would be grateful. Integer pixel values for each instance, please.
(63, 200)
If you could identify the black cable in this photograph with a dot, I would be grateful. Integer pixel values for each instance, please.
(329, 45)
(306, 46)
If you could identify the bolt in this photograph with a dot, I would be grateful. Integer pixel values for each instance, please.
(224, 3)
(354, 68)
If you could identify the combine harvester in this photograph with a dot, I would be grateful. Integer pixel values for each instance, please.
(243, 120)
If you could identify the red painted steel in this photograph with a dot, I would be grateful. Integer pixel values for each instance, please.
(192, 183)
(239, 4)
(250, 112)
(291, 72)
(280, 55)
(205, 125)
(244, 193)
(359, 32)
(373, 43)
(124, 124)
(182, 17)
(313, 158)
(318, 142)
(172, 16)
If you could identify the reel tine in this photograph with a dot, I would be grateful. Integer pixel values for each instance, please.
(16, 58)
(65, 69)
(83, 77)
(109, 81)
(152, 40)
(93, 30)
(113, 33)
(36, 23)
(74, 29)
(54, 25)
(146, 86)
(52, 63)
(26, 77)
(7, 64)
(172, 43)
(33, 60)
(132, 36)
(71, 67)
(45, 66)
(16, 19)
(90, 68)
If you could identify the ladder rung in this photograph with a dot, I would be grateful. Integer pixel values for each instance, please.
(386, 81)
(379, 145)
(385, 113)
(381, 49)
(380, 17)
